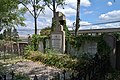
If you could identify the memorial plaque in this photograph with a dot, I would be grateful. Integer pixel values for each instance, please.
(57, 41)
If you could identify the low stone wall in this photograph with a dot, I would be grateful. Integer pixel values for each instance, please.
(87, 47)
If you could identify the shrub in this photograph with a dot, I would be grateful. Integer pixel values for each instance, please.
(28, 48)
(115, 75)
(52, 59)
(35, 41)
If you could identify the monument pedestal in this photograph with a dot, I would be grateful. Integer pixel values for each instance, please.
(58, 40)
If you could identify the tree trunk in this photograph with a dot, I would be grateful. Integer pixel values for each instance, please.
(35, 25)
(35, 17)
(77, 17)
(54, 10)
(54, 16)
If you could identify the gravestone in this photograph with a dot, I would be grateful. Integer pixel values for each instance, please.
(58, 36)
(40, 46)
(89, 47)
(111, 41)
(29, 39)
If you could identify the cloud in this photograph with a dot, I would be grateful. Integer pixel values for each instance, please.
(109, 3)
(113, 15)
(73, 3)
(85, 3)
(84, 23)
(87, 25)
(88, 12)
(112, 25)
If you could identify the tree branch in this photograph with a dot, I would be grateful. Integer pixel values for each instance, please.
(56, 6)
(28, 10)
(39, 13)
(32, 2)
(50, 7)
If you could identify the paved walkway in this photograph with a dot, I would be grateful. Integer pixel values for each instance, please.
(31, 68)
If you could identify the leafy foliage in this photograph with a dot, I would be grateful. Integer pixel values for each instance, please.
(28, 49)
(58, 3)
(36, 39)
(10, 15)
(76, 42)
(102, 48)
(36, 8)
(45, 31)
(54, 58)
(57, 60)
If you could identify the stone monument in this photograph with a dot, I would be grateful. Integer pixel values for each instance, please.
(58, 35)
(111, 41)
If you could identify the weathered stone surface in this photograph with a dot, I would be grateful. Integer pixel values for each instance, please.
(111, 41)
(58, 36)
(58, 41)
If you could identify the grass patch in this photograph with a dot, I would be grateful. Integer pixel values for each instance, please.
(8, 58)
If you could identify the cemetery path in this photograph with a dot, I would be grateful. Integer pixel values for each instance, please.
(31, 68)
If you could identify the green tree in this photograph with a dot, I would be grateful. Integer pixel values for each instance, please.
(9, 34)
(45, 31)
(10, 14)
(37, 9)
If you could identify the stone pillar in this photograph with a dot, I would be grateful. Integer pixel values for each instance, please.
(58, 36)
(111, 41)
(40, 48)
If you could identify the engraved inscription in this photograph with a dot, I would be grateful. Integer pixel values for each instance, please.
(57, 41)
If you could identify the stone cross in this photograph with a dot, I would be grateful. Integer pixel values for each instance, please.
(57, 22)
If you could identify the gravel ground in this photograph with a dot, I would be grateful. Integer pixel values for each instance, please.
(31, 68)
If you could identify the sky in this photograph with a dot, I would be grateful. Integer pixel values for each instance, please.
(91, 12)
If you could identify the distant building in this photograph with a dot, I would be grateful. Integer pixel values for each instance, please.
(23, 38)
